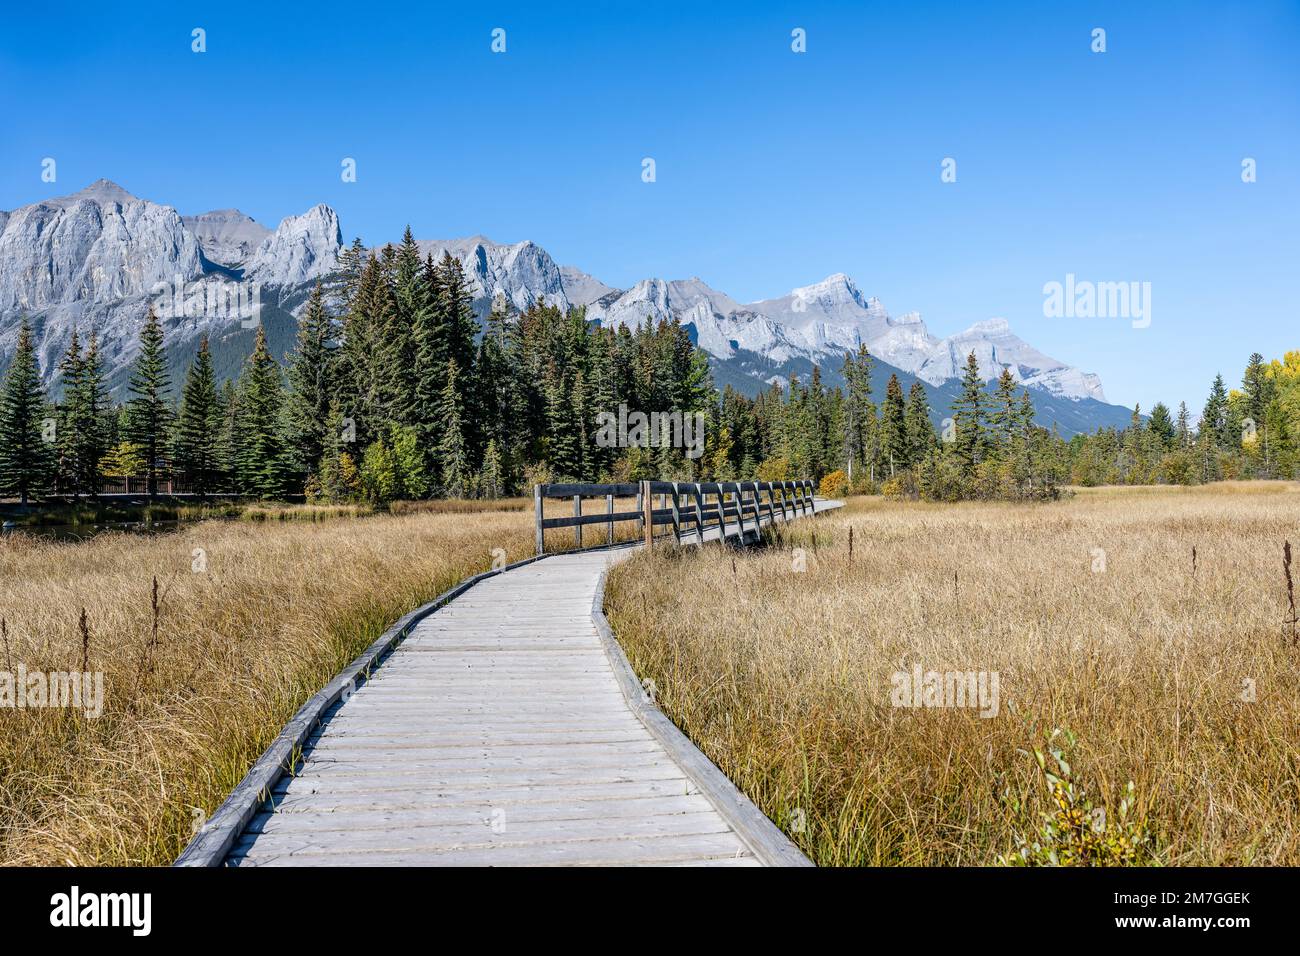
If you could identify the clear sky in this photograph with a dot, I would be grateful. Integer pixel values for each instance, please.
(774, 169)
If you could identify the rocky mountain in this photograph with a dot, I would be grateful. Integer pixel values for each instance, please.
(226, 236)
(98, 258)
(523, 272)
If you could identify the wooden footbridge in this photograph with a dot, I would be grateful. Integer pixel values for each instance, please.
(501, 724)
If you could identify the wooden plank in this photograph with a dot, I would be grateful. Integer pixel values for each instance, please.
(608, 852)
(508, 697)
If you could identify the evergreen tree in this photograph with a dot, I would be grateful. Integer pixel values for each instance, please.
(69, 419)
(1215, 417)
(491, 479)
(920, 430)
(895, 448)
(26, 457)
(968, 418)
(261, 448)
(1161, 425)
(198, 426)
(1183, 431)
(149, 409)
(312, 384)
(859, 411)
(1006, 415)
(452, 452)
(93, 406)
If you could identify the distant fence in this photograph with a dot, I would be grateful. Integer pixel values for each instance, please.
(733, 508)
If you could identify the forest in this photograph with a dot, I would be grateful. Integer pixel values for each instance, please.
(395, 390)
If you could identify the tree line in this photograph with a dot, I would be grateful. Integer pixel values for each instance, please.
(394, 390)
(1251, 432)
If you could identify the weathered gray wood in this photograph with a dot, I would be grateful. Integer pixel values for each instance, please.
(512, 698)
(537, 520)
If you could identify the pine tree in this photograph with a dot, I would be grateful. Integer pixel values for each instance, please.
(312, 383)
(363, 375)
(452, 451)
(561, 435)
(1161, 425)
(93, 405)
(969, 416)
(1257, 388)
(69, 420)
(895, 449)
(400, 336)
(1005, 416)
(1183, 431)
(859, 411)
(198, 426)
(491, 480)
(261, 449)
(26, 457)
(920, 430)
(149, 409)
(1215, 417)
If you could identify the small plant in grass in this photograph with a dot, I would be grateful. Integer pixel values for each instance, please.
(1075, 832)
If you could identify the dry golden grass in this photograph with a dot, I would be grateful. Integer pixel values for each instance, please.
(784, 678)
(279, 610)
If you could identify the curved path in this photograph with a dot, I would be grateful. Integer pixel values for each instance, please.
(507, 729)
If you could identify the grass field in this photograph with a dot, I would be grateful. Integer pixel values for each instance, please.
(1119, 659)
(253, 618)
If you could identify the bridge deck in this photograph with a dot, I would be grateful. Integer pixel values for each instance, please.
(498, 733)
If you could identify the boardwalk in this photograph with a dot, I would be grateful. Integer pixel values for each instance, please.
(506, 730)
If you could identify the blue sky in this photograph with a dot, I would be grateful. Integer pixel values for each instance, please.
(774, 169)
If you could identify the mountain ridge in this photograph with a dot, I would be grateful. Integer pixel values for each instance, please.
(92, 260)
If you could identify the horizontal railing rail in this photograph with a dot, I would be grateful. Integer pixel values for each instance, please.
(734, 508)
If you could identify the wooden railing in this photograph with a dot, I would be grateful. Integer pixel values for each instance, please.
(734, 508)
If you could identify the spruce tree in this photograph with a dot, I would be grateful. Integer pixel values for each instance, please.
(491, 478)
(1215, 417)
(26, 457)
(920, 430)
(1161, 425)
(260, 441)
(69, 419)
(149, 408)
(859, 412)
(198, 426)
(452, 452)
(1183, 431)
(312, 383)
(895, 449)
(1005, 414)
(93, 405)
(969, 416)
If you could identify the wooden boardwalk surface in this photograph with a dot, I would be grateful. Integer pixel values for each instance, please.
(500, 732)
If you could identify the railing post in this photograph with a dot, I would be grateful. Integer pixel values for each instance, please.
(640, 507)
(648, 518)
(677, 518)
(577, 528)
(609, 525)
(537, 513)
(699, 516)
(740, 511)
